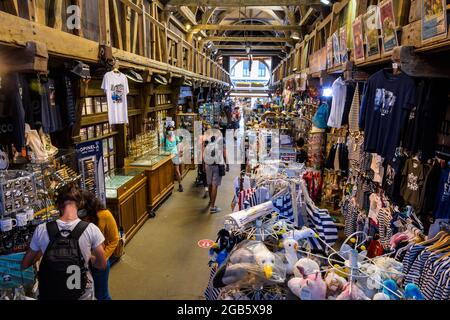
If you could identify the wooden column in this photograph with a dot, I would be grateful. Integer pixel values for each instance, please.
(104, 21)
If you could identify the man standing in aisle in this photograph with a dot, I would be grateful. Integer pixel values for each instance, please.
(215, 159)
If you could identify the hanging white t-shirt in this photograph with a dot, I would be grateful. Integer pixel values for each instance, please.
(339, 89)
(115, 85)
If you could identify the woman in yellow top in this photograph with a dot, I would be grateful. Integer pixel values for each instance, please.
(96, 213)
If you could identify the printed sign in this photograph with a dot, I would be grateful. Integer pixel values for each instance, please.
(387, 21)
(90, 166)
(434, 20)
(371, 32)
(358, 42)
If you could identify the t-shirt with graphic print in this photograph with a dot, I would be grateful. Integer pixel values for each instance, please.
(387, 102)
(115, 85)
(413, 176)
(442, 210)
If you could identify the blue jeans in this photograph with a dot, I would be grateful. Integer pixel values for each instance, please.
(101, 283)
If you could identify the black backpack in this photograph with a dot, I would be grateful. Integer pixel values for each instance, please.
(59, 265)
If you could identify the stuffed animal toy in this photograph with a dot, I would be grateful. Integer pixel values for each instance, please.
(381, 296)
(255, 253)
(298, 235)
(305, 267)
(290, 253)
(335, 283)
(373, 283)
(389, 287)
(352, 292)
(311, 287)
(389, 268)
(412, 292)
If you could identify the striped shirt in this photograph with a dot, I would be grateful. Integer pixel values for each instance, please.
(284, 207)
(384, 226)
(411, 256)
(322, 223)
(427, 273)
(442, 288)
(436, 284)
(417, 267)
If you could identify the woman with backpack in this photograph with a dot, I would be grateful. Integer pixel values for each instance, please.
(68, 245)
(94, 212)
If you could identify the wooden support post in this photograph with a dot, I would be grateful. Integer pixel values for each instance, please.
(416, 65)
(127, 39)
(143, 38)
(57, 12)
(104, 21)
(40, 11)
(31, 5)
(11, 7)
(117, 25)
(165, 44)
(135, 29)
(78, 32)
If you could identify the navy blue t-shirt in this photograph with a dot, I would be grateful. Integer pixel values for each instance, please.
(442, 210)
(387, 102)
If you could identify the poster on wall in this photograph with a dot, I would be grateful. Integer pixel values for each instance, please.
(336, 49)
(330, 53)
(371, 32)
(358, 43)
(434, 20)
(91, 167)
(387, 21)
(343, 44)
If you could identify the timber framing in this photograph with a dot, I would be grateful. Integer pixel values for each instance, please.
(246, 27)
(131, 50)
(239, 3)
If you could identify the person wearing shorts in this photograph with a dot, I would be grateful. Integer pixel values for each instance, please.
(171, 145)
(213, 177)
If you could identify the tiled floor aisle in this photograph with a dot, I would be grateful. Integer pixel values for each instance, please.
(163, 260)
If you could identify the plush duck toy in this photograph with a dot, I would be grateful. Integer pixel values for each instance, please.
(254, 252)
(298, 235)
(290, 253)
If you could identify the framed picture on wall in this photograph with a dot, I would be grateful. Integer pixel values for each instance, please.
(434, 20)
(343, 44)
(387, 22)
(358, 42)
(371, 32)
(336, 49)
(329, 53)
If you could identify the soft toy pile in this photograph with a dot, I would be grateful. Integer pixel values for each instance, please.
(287, 271)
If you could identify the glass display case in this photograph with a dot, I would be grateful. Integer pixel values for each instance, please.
(119, 178)
(151, 158)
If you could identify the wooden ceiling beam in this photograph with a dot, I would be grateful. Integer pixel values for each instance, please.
(240, 3)
(248, 39)
(246, 27)
(234, 47)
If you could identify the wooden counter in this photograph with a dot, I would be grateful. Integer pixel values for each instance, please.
(160, 181)
(130, 207)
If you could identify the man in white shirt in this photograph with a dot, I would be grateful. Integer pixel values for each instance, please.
(90, 241)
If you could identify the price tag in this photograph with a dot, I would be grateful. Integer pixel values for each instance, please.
(205, 243)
